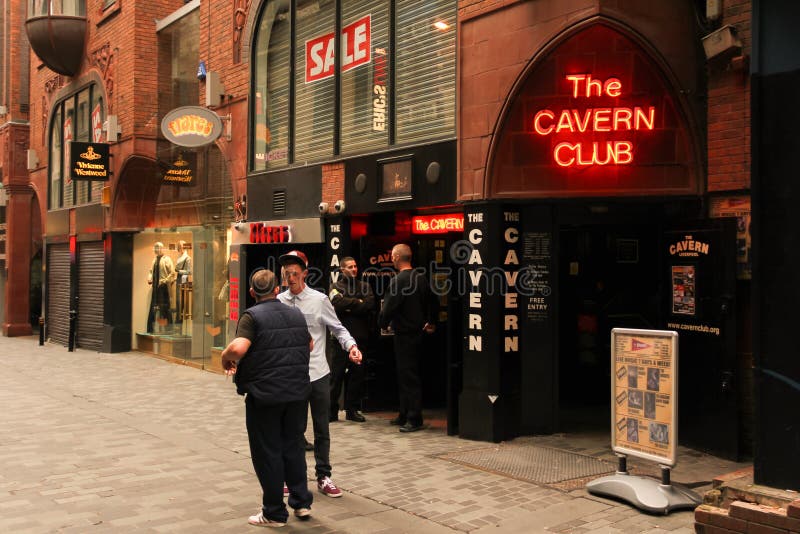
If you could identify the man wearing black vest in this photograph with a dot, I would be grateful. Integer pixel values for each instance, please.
(409, 306)
(269, 357)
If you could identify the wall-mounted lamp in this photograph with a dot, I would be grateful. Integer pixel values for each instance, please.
(722, 44)
(215, 89)
(112, 129)
(33, 159)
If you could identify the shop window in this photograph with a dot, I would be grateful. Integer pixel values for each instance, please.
(41, 8)
(56, 175)
(426, 70)
(79, 117)
(270, 112)
(81, 126)
(297, 122)
(365, 75)
(179, 55)
(314, 80)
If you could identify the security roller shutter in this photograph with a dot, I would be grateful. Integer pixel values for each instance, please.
(58, 293)
(90, 295)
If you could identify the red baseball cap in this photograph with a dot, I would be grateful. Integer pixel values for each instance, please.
(294, 256)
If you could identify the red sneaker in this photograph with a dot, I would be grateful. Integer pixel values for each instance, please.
(326, 486)
(285, 490)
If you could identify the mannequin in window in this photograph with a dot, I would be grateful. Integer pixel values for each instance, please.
(162, 277)
(183, 267)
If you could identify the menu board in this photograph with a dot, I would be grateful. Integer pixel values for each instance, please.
(644, 386)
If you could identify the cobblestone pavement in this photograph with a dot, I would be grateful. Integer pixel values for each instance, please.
(93, 442)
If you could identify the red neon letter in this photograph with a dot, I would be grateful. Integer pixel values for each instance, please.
(590, 83)
(567, 162)
(648, 120)
(575, 79)
(602, 118)
(581, 124)
(622, 116)
(584, 162)
(609, 154)
(624, 152)
(537, 122)
(613, 87)
(564, 122)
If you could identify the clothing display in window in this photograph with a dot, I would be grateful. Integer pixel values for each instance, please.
(183, 291)
(162, 278)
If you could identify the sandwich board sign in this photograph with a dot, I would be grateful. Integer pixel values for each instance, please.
(644, 419)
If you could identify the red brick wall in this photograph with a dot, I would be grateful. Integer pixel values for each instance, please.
(729, 109)
(332, 183)
(132, 78)
(748, 518)
(498, 40)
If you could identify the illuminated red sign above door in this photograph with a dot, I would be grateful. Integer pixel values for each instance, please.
(437, 224)
(572, 121)
(595, 117)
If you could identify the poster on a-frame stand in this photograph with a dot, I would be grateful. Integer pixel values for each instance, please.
(644, 419)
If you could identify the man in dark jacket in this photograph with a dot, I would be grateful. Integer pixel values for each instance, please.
(409, 306)
(353, 301)
(269, 357)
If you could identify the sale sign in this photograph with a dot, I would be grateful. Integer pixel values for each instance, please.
(356, 50)
(97, 124)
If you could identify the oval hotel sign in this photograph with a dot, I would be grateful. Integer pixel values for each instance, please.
(191, 126)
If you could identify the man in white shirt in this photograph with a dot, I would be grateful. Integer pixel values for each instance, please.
(319, 314)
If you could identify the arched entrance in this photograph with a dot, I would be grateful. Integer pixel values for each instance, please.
(185, 316)
(35, 300)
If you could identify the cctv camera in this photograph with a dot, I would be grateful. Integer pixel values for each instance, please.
(338, 207)
(323, 208)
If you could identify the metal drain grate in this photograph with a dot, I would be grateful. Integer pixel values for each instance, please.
(541, 465)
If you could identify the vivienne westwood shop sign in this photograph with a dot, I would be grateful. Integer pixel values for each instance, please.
(191, 126)
(88, 161)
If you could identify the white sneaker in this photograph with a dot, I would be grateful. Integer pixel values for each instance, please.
(259, 520)
(326, 486)
(303, 513)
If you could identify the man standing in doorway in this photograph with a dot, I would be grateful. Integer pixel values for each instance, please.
(354, 302)
(269, 357)
(409, 307)
(319, 314)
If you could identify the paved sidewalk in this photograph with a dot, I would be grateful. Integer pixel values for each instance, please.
(94, 442)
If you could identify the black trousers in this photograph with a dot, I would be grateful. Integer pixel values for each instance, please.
(345, 373)
(275, 432)
(407, 349)
(159, 300)
(320, 402)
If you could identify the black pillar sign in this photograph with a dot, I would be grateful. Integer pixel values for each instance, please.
(489, 256)
(88, 161)
(182, 170)
(337, 235)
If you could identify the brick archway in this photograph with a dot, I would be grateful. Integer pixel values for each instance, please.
(136, 194)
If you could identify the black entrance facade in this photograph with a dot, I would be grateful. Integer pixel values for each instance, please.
(547, 282)
(431, 235)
